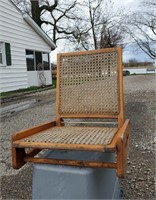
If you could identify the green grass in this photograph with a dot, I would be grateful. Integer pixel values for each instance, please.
(26, 90)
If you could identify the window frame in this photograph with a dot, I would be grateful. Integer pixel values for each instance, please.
(34, 61)
(48, 56)
(36, 65)
(8, 54)
(34, 54)
(3, 64)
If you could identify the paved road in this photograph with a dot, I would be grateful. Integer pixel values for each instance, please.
(139, 106)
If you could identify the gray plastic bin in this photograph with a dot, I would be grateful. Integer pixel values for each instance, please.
(66, 182)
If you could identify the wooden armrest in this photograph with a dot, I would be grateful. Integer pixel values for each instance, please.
(27, 132)
(19, 154)
(124, 130)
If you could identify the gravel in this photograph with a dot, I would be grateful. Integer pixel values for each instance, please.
(139, 182)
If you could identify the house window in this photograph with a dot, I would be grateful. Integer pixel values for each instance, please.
(5, 54)
(30, 60)
(37, 60)
(46, 61)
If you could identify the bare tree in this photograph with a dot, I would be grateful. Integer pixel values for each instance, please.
(100, 27)
(54, 16)
(94, 18)
(88, 24)
(111, 36)
(61, 21)
(142, 28)
(36, 8)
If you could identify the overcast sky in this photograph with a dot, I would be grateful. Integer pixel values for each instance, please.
(131, 51)
(131, 4)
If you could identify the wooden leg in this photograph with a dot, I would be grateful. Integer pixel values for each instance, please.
(18, 157)
(122, 152)
(120, 159)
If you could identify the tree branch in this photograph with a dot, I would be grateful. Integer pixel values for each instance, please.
(49, 8)
(65, 12)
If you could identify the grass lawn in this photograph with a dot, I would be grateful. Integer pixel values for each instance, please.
(27, 90)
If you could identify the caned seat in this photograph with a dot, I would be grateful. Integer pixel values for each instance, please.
(84, 136)
(89, 86)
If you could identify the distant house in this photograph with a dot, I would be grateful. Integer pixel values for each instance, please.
(24, 50)
(150, 69)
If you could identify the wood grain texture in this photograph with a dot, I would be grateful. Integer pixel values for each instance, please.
(122, 143)
(78, 163)
(90, 51)
(58, 91)
(121, 96)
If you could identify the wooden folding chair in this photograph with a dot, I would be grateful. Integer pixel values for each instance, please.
(89, 86)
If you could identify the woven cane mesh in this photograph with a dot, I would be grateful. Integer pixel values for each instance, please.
(74, 135)
(89, 83)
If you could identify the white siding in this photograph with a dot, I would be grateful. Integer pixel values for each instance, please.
(34, 80)
(15, 30)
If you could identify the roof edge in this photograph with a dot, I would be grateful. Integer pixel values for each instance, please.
(43, 35)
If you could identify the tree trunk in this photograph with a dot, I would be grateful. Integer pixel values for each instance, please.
(35, 11)
(92, 26)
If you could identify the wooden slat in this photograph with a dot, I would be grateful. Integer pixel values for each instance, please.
(89, 52)
(71, 162)
(43, 145)
(33, 152)
(90, 122)
(89, 116)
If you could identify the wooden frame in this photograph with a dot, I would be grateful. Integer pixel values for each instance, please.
(118, 145)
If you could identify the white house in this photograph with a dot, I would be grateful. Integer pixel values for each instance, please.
(24, 48)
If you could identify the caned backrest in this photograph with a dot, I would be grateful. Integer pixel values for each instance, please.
(89, 83)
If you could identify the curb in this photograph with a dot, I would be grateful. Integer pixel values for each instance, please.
(17, 96)
(12, 109)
